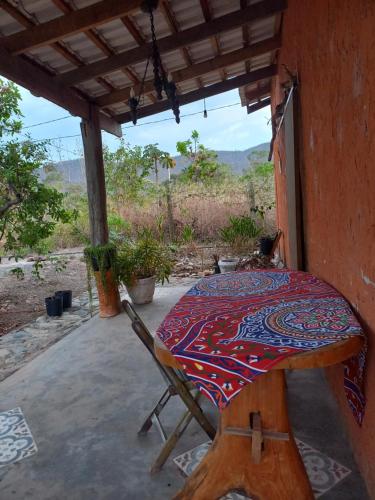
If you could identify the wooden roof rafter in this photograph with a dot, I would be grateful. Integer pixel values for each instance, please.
(206, 9)
(251, 108)
(210, 90)
(28, 75)
(171, 20)
(71, 23)
(97, 59)
(103, 46)
(245, 35)
(197, 70)
(68, 54)
(172, 42)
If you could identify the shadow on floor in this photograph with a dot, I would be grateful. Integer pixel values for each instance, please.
(85, 397)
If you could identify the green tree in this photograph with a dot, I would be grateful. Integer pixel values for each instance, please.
(29, 210)
(158, 158)
(126, 172)
(203, 162)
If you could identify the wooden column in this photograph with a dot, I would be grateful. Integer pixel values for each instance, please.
(96, 193)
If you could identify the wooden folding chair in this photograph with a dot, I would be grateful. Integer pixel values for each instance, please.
(177, 385)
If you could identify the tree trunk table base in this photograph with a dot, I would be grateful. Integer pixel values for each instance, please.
(264, 463)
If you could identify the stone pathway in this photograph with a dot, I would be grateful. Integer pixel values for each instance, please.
(21, 345)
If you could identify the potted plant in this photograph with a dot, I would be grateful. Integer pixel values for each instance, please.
(101, 261)
(142, 263)
(268, 237)
(240, 235)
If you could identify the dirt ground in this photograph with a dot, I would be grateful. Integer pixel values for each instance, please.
(23, 300)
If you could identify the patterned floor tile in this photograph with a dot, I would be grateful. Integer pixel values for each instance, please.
(324, 472)
(16, 440)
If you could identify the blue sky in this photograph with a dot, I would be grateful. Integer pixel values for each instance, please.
(229, 128)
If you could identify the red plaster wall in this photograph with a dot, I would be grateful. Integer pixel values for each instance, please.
(331, 44)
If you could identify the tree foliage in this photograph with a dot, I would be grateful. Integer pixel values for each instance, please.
(203, 162)
(29, 209)
(158, 158)
(126, 172)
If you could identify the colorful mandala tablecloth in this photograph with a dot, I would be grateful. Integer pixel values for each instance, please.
(230, 328)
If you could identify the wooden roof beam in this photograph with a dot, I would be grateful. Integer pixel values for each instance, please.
(196, 95)
(258, 105)
(69, 24)
(197, 70)
(40, 83)
(174, 27)
(258, 93)
(102, 45)
(206, 9)
(140, 39)
(59, 47)
(245, 35)
(184, 38)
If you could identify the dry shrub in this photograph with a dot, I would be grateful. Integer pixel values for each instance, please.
(204, 209)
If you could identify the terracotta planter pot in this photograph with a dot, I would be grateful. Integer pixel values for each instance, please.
(109, 296)
(143, 291)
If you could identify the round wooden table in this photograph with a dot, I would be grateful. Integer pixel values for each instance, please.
(254, 452)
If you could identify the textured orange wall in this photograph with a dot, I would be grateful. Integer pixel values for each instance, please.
(331, 44)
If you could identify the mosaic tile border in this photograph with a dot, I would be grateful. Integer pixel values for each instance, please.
(16, 440)
(324, 472)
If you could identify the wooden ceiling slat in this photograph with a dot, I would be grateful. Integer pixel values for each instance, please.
(28, 23)
(172, 21)
(101, 45)
(28, 75)
(206, 9)
(195, 95)
(133, 30)
(60, 48)
(71, 23)
(16, 14)
(245, 35)
(140, 39)
(198, 69)
(177, 40)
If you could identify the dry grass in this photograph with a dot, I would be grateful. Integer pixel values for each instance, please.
(204, 210)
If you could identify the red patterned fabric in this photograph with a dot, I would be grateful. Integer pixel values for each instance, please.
(230, 328)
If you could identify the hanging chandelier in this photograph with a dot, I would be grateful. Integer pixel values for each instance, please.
(163, 82)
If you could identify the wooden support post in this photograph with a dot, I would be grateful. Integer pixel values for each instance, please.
(92, 146)
(108, 294)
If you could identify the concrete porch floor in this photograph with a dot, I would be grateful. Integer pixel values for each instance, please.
(85, 397)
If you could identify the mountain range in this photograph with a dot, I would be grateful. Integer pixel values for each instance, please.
(73, 171)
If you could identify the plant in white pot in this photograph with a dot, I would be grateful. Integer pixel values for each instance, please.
(142, 263)
(239, 235)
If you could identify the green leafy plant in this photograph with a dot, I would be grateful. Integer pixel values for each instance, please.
(100, 258)
(261, 211)
(59, 263)
(187, 234)
(143, 257)
(29, 209)
(203, 162)
(119, 228)
(18, 273)
(240, 233)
